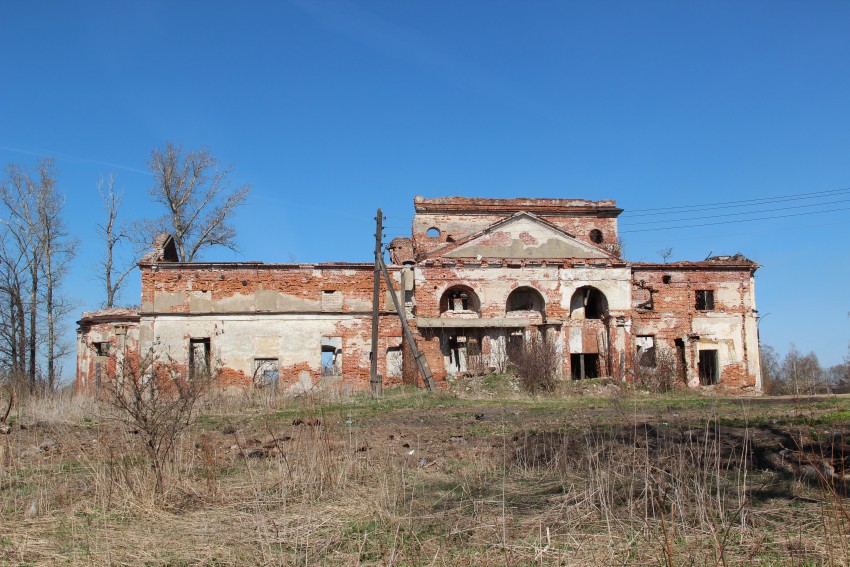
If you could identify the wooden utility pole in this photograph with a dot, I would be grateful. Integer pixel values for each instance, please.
(375, 379)
(421, 361)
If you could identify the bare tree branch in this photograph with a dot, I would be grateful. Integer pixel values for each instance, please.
(199, 198)
(113, 271)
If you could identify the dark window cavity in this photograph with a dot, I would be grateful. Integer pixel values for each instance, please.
(459, 298)
(525, 299)
(645, 351)
(709, 369)
(584, 366)
(588, 303)
(705, 300)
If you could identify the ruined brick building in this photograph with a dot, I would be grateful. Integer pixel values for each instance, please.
(477, 277)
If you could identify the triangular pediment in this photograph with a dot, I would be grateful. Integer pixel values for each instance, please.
(522, 235)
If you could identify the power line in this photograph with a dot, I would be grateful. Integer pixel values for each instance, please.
(734, 204)
(736, 221)
(719, 235)
(741, 214)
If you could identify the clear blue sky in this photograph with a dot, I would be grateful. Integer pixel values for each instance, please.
(333, 109)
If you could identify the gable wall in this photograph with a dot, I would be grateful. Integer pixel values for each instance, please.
(458, 226)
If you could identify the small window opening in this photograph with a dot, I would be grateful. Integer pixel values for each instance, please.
(456, 347)
(433, 232)
(332, 356)
(709, 370)
(266, 372)
(666, 279)
(101, 348)
(646, 351)
(199, 358)
(516, 342)
(394, 362)
(596, 236)
(705, 300)
(681, 358)
(584, 366)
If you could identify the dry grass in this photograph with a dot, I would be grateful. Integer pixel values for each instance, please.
(430, 479)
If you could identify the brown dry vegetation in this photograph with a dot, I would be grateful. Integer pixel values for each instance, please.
(596, 475)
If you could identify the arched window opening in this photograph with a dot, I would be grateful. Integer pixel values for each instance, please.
(596, 236)
(588, 303)
(459, 299)
(525, 299)
(433, 232)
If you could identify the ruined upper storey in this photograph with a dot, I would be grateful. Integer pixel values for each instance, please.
(514, 228)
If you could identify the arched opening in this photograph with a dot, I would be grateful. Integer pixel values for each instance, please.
(459, 299)
(596, 236)
(433, 232)
(525, 299)
(588, 303)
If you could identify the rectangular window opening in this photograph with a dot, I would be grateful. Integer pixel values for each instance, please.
(394, 362)
(101, 348)
(199, 358)
(705, 300)
(266, 372)
(709, 369)
(331, 356)
(645, 345)
(584, 366)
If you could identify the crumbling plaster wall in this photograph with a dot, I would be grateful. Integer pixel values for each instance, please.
(730, 327)
(117, 328)
(295, 340)
(240, 288)
(262, 311)
(557, 284)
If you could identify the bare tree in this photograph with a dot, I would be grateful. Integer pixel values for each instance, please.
(58, 249)
(111, 269)
(665, 253)
(13, 333)
(37, 252)
(20, 196)
(199, 198)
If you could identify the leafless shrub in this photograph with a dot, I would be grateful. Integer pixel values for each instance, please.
(10, 400)
(158, 398)
(658, 370)
(536, 362)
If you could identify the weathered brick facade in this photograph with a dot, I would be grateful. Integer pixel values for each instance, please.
(477, 278)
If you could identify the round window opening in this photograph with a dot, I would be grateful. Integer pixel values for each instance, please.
(433, 232)
(596, 236)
